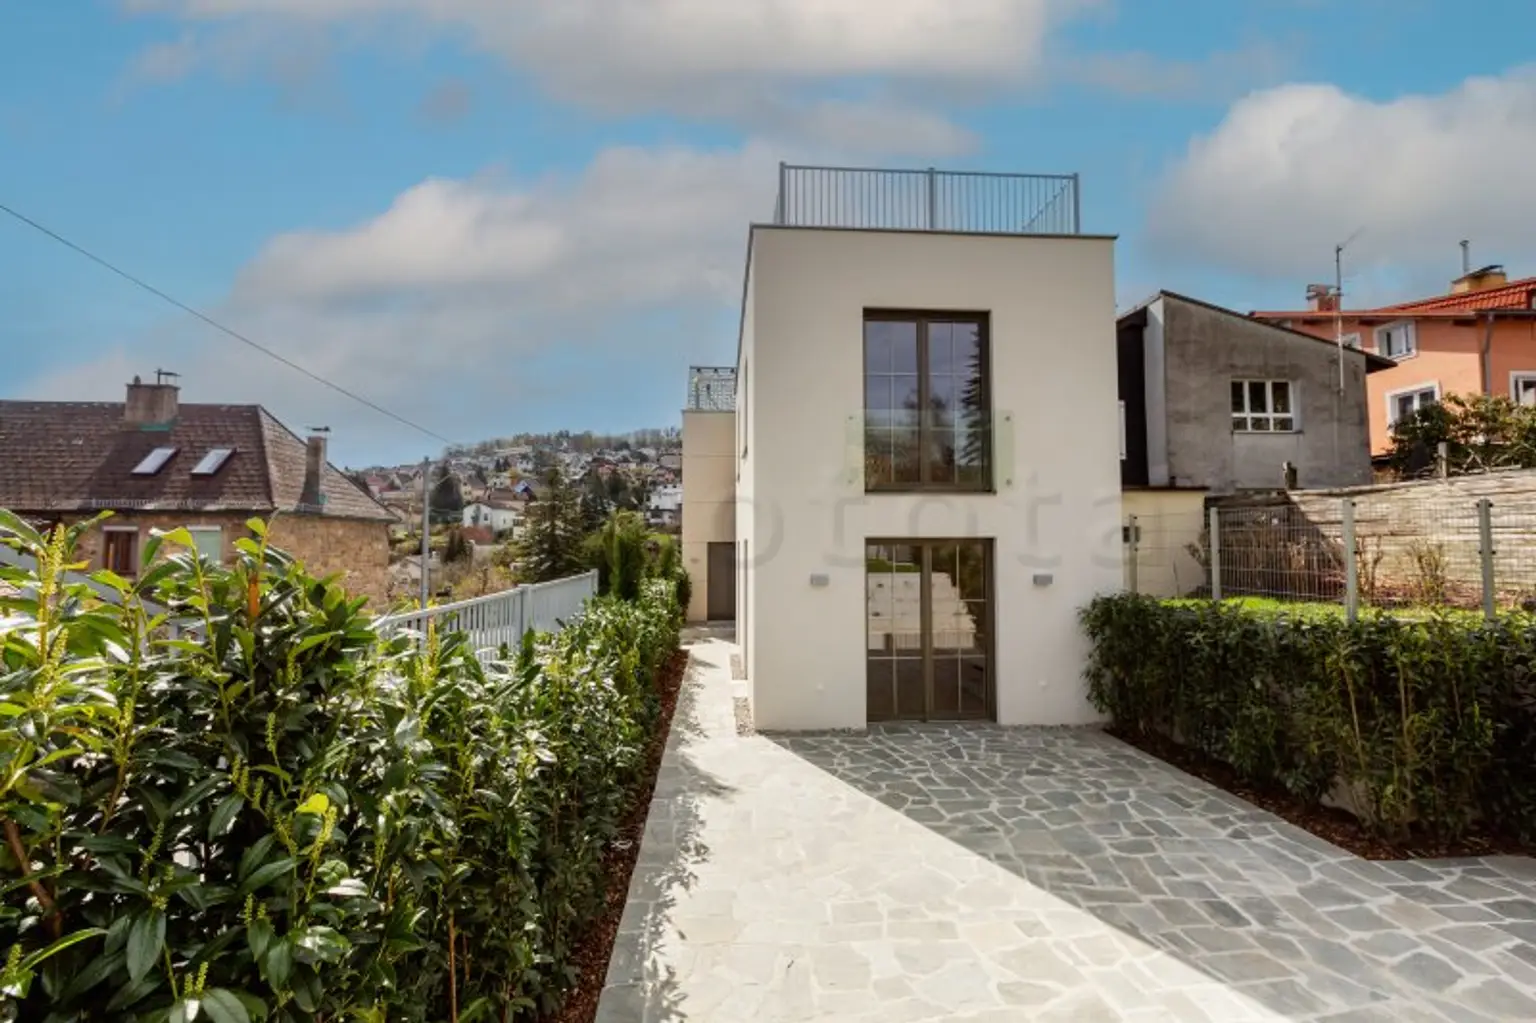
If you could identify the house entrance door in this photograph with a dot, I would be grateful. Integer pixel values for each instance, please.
(720, 599)
(929, 630)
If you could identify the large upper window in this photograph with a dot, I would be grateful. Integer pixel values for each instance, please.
(927, 402)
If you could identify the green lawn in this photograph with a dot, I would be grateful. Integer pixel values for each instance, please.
(1323, 610)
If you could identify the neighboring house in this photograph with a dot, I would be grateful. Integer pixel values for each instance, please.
(926, 401)
(1213, 400)
(1479, 338)
(157, 463)
(664, 507)
(492, 514)
(709, 493)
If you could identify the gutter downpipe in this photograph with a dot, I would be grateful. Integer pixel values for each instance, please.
(1485, 356)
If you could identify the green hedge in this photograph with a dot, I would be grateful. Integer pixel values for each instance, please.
(1429, 721)
(288, 818)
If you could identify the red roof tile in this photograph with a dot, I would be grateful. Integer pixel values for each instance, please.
(1514, 295)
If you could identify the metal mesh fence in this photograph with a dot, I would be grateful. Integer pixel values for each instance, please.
(1373, 551)
(1513, 532)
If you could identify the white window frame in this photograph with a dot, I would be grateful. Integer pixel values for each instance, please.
(194, 530)
(1381, 332)
(1516, 377)
(1122, 429)
(1392, 396)
(1352, 340)
(1293, 415)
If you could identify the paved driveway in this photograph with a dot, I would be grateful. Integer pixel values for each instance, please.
(992, 874)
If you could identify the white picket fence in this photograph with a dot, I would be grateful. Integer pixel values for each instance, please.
(501, 618)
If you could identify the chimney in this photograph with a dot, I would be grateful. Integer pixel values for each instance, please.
(313, 496)
(1481, 279)
(1321, 299)
(152, 406)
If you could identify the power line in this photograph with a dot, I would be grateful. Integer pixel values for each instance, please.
(216, 325)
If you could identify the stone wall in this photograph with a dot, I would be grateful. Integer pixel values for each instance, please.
(231, 526)
(357, 551)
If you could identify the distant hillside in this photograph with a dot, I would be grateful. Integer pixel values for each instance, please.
(585, 442)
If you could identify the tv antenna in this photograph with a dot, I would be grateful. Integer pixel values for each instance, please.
(1338, 300)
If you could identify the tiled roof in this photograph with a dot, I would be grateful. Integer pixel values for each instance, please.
(1514, 295)
(286, 457)
(79, 456)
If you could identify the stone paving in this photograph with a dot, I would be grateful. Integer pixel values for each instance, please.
(992, 874)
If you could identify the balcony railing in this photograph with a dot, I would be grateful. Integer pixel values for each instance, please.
(928, 200)
(711, 389)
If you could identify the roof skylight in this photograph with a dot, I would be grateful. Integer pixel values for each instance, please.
(154, 461)
(212, 462)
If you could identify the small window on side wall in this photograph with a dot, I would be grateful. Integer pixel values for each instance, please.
(120, 551)
(1402, 404)
(209, 541)
(1263, 406)
(1522, 388)
(1397, 340)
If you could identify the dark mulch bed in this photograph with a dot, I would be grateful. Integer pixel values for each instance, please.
(1328, 823)
(596, 945)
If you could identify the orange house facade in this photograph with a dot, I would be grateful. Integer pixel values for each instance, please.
(1479, 338)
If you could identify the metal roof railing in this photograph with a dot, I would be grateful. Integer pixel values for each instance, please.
(928, 200)
(711, 389)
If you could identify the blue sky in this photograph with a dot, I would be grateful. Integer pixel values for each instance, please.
(498, 215)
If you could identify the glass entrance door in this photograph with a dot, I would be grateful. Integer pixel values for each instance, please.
(929, 630)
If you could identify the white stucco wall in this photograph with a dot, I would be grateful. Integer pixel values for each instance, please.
(496, 519)
(801, 501)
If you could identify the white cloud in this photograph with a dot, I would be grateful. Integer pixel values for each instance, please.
(627, 44)
(638, 226)
(475, 306)
(1292, 171)
(757, 64)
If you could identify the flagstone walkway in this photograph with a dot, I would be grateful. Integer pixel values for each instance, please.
(992, 875)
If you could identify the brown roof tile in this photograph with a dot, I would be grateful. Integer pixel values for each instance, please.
(78, 456)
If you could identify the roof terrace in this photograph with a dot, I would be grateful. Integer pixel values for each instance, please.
(711, 389)
(970, 202)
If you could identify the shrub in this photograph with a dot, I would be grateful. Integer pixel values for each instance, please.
(1480, 431)
(456, 547)
(1430, 721)
(277, 815)
(624, 550)
(684, 590)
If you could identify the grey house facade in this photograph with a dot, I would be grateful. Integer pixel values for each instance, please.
(1213, 400)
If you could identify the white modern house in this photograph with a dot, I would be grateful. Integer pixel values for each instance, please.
(709, 468)
(927, 449)
(493, 515)
(664, 507)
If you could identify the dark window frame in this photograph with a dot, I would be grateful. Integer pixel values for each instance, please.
(921, 319)
(925, 546)
(129, 537)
